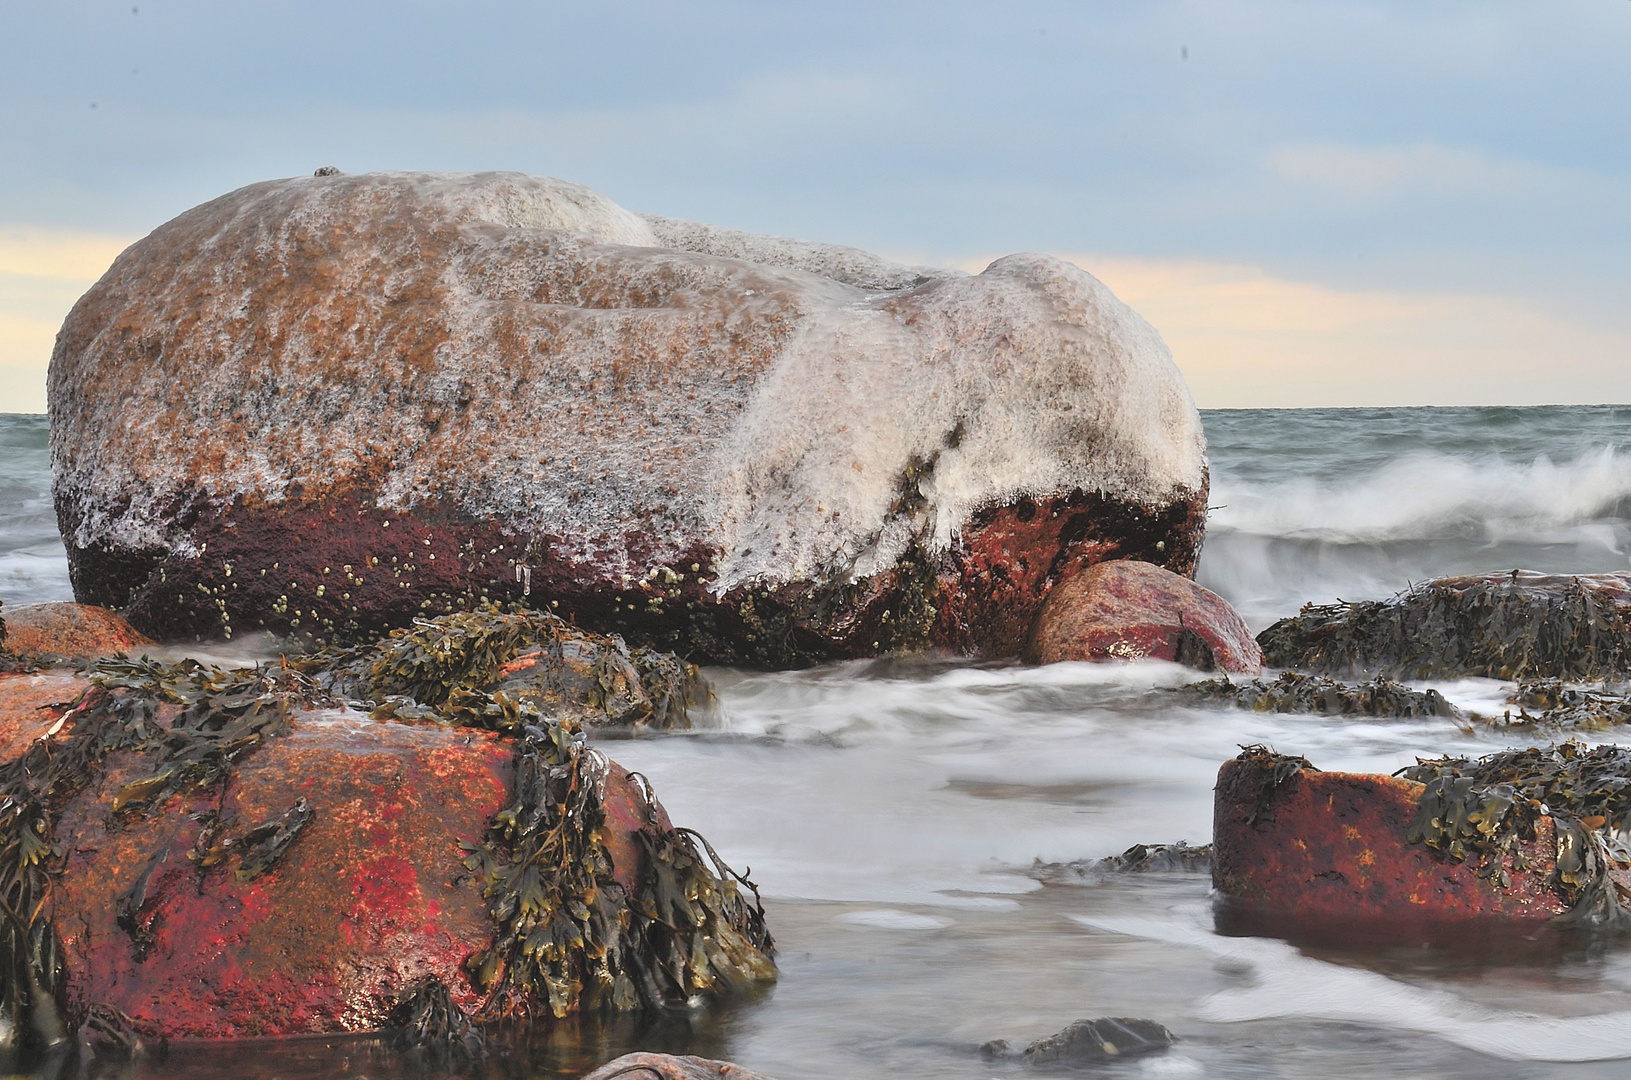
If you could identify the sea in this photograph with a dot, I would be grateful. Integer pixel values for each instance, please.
(926, 830)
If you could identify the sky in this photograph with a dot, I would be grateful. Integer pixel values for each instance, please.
(1316, 203)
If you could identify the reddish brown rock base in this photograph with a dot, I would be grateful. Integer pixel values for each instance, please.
(1323, 847)
(335, 570)
(1132, 610)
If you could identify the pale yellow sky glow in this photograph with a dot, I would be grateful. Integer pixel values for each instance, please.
(1242, 337)
(42, 273)
(1247, 339)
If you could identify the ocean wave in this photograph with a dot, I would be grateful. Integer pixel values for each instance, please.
(1429, 495)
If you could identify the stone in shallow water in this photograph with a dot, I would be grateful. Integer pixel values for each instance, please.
(328, 405)
(1088, 1042)
(1129, 610)
(63, 629)
(1513, 625)
(1330, 848)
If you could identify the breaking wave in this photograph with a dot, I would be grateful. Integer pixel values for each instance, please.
(1320, 505)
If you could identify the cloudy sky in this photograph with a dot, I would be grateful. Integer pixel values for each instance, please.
(1316, 203)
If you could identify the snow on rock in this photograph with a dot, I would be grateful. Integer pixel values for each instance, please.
(755, 449)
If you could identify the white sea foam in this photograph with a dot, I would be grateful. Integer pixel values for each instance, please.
(1424, 495)
(893, 919)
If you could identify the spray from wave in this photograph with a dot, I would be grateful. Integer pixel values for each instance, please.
(1370, 501)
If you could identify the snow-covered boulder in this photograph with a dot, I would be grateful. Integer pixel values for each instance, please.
(326, 405)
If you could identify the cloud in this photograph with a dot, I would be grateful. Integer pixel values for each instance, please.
(1424, 168)
(1248, 339)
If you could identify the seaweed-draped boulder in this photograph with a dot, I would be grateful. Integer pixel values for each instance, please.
(1514, 625)
(199, 853)
(328, 405)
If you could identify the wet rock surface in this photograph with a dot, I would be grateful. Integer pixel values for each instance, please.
(1295, 692)
(68, 630)
(227, 854)
(1522, 837)
(400, 393)
(1088, 1042)
(1133, 610)
(1514, 625)
(671, 1067)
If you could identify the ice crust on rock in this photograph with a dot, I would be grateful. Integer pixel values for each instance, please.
(523, 349)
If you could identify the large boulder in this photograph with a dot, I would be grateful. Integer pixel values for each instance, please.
(1513, 625)
(198, 853)
(328, 405)
(1127, 610)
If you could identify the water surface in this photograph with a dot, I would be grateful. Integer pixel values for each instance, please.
(910, 819)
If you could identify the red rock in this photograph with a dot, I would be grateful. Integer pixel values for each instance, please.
(31, 705)
(1131, 610)
(372, 895)
(328, 405)
(1333, 847)
(69, 630)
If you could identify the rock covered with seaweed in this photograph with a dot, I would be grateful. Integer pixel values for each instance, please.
(1522, 836)
(328, 405)
(194, 852)
(1514, 625)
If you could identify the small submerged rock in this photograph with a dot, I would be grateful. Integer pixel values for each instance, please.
(1295, 692)
(1140, 858)
(671, 1067)
(1515, 625)
(1129, 610)
(1087, 1042)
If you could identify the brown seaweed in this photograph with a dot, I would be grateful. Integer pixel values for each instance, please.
(453, 668)
(425, 1021)
(1276, 771)
(568, 934)
(1295, 692)
(1499, 629)
(1481, 808)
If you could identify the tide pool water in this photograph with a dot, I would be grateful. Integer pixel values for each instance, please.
(909, 819)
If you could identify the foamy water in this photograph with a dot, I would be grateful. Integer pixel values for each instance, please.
(893, 811)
